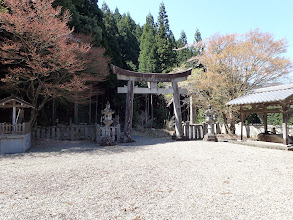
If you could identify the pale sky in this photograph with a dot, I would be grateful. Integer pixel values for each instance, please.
(212, 16)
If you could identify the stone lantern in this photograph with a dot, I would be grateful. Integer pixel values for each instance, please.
(210, 118)
(107, 120)
(107, 115)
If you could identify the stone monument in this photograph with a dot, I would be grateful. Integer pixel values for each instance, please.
(107, 138)
(210, 118)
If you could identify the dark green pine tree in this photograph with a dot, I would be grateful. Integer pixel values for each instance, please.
(128, 42)
(184, 54)
(86, 17)
(195, 51)
(111, 34)
(164, 41)
(148, 58)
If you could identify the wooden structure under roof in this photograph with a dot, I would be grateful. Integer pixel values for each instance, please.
(274, 99)
(14, 103)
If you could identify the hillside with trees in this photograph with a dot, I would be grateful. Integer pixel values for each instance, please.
(57, 58)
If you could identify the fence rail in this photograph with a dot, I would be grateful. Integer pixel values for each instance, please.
(197, 131)
(77, 132)
(23, 128)
(193, 131)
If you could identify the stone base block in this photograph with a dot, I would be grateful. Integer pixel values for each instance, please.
(210, 137)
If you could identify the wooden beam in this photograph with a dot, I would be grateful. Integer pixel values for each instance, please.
(177, 110)
(274, 110)
(151, 90)
(123, 74)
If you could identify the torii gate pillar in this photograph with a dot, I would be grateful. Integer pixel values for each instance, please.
(153, 78)
(177, 110)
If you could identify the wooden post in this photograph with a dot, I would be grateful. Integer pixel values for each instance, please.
(285, 127)
(186, 129)
(58, 133)
(177, 110)
(241, 125)
(71, 133)
(129, 110)
(190, 134)
(53, 132)
(76, 113)
(192, 111)
(118, 132)
(98, 131)
(265, 122)
(23, 128)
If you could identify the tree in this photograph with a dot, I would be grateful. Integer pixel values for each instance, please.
(128, 42)
(164, 41)
(234, 64)
(148, 48)
(86, 17)
(184, 54)
(45, 60)
(111, 33)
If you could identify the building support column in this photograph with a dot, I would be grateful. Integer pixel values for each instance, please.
(265, 122)
(241, 125)
(14, 113)
(177, 110)
(285, 127)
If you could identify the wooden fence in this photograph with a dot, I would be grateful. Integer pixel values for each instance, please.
(76, 132)
(23, 128)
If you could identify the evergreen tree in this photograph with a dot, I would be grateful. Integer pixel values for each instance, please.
(195, 51)
(111, 36)
(148, 49)
(184, 54)
(165, 51)
(86, 17)
(128, 42)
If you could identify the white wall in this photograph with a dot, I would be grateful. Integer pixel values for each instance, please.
(13, 143)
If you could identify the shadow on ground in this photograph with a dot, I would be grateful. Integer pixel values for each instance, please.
(54, 147)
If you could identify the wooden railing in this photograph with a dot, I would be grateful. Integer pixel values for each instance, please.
(23, 128)
(76, 132)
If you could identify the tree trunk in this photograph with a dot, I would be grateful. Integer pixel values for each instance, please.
(75, 113)
(53, 111)
(229, 129)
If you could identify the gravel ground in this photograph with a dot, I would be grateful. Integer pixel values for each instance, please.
(149, 179)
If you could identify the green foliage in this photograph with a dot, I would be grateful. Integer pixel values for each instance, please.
(2, 7)
(184, 54)
(165, 42)
(86, 17)
(277, 119)
(252, 119)
(128, 41)
(148, 58)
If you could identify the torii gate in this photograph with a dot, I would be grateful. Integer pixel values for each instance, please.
(152, 79)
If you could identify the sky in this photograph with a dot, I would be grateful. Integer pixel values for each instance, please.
(216, 16)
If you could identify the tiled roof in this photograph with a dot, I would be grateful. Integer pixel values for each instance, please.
(264, 95)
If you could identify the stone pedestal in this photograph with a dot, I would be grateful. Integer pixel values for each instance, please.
(210, 137)
(210, 117)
